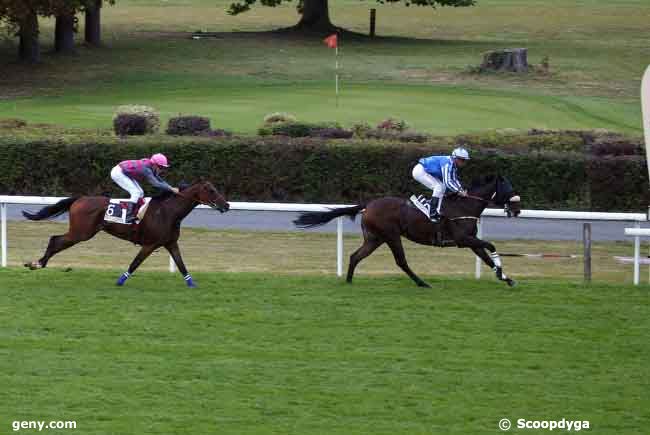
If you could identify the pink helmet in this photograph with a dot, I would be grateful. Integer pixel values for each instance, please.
(160, 160)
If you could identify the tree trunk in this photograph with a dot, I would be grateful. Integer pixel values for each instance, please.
(64, 33)
(93, 31)
(509, 60)
(29, 49)
(315, 17)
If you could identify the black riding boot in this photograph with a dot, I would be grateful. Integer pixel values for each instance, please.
(433, 210)
(130, 213)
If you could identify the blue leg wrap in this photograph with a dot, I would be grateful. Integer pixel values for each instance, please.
(189, 281)
(122, 279)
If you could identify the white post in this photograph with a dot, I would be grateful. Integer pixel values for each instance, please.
(339, 247)
(3, 217)
(645, 110)
(637, 255)
(636, 260)
(172, 265)
(479, 234)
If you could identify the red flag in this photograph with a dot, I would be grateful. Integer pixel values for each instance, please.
(331, 41)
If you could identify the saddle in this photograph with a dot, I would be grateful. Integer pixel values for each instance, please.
(423, 204)
(116, 211)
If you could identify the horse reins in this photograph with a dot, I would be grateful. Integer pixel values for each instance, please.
(192, 199)
(477, 197)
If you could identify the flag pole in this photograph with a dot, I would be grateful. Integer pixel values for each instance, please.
(332, 42)
(337, 74)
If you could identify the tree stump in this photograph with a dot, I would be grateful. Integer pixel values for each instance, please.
(507, 60)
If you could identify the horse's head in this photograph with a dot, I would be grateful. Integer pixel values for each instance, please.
(205, 193)
(498, 190)
(506, 196)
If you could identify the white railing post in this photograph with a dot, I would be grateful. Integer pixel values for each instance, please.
(479, 234)
(3, 217)
(172, 265)
(339, 247)
(637, 254)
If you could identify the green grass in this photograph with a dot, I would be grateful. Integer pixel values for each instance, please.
(416, 70)
(265, 353)
(241, 107)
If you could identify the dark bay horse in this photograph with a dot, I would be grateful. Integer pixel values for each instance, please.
(159, 227)
(386, 220)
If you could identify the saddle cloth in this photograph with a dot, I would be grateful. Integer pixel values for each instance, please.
(116, 210)
(421, 203)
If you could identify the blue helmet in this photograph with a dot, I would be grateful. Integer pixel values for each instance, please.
(460, 153)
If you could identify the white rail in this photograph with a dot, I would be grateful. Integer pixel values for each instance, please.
(283, 207)
(637, 233)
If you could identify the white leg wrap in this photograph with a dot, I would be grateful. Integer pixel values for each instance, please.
(496, 259)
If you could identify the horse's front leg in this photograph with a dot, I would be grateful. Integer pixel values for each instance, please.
(493, 260)
(145, 251)
(175, 252)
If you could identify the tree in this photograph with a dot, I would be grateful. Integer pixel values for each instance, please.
(92, 30)
(22, 16)
(315, 13)
(66, 22)
(65, 26)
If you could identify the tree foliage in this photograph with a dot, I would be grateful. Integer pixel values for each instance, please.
(15, 11)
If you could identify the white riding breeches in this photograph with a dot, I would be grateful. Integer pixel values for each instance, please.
(127, 183)
(431, 182)
(428, 180)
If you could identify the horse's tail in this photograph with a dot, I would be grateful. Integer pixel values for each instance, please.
(51, 211)
(317, 218)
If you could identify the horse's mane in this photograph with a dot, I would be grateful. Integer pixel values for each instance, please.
(163, 195)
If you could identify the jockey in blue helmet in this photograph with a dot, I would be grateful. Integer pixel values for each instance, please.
(439, 173)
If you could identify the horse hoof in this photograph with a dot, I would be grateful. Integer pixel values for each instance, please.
(33, 265)
(424, 284)
(122, 279)
(511, 282)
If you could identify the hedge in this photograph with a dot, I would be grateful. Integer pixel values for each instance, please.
(312, 170)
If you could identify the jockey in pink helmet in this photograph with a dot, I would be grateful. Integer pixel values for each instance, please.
(129, 173)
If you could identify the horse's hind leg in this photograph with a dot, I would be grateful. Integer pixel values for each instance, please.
(370, 243)
(400, 258)
(81, 228)
(58, 244)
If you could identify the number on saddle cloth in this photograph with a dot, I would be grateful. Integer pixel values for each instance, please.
(116, 210)
(422, 203)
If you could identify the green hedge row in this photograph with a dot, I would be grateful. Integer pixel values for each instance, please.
(272, 169)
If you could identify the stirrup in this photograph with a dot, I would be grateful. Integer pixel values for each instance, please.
(435, 217)
(130, 214)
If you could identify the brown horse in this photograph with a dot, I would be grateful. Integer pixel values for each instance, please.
(386, 220)
(159, 227)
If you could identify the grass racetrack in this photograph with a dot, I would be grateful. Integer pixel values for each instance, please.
(270, 353)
